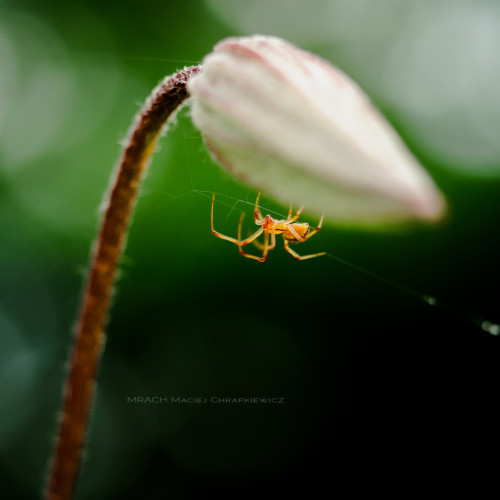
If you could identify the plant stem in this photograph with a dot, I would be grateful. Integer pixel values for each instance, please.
(108, 247)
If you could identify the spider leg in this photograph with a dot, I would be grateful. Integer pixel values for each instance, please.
(316, 229)
(296, 216)
(258, 244)
(301, 257)
(265, 250)
(228, 238)
(273, 240)
(256, 211)
(266, 246)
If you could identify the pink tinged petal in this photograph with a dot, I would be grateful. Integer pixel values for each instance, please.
(295, 127)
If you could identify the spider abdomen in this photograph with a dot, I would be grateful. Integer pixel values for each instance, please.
(296, 232)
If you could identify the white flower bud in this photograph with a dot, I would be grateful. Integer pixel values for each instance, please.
(295, 127)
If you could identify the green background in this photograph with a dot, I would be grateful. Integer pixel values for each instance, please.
(362, 364)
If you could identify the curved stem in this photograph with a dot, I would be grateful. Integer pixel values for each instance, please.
(89, 339)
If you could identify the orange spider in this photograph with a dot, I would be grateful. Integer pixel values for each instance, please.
(293, 232)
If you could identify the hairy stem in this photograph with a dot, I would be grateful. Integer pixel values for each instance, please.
(108, 247)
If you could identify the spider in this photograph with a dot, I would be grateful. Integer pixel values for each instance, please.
(293, 232)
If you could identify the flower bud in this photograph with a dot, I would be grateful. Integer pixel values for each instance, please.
(297, 128)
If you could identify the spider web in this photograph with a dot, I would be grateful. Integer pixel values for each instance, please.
(431, 300)
(192, 146)
(236, 204)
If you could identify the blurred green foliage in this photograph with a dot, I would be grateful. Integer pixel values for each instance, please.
(191, 318)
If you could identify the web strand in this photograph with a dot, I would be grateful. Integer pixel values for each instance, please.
(477, 321)
(486, 326)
